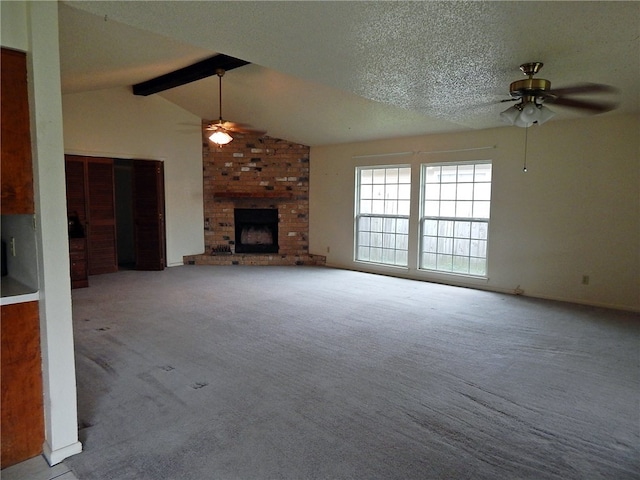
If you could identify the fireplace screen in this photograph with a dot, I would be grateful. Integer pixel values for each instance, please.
(256, 230)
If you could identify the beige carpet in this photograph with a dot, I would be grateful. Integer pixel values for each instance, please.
(316, 373)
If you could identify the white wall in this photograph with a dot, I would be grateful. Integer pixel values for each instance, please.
(116, 123)
(575, 212)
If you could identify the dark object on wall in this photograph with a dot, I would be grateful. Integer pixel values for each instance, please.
(4, 259)
(75, 227)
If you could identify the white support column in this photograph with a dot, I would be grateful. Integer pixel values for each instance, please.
(58, 366)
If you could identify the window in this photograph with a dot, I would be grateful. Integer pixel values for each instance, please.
(382, 214)
(454, 224)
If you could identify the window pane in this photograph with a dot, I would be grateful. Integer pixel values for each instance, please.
(379, 176)
(404, 207)
(448, 208)
(429, 261)
(432, 175)
(404, 192)
(391, 207)
(376, 224)
(445, 228)
(366, 176)
(449, 173)
(461, 246)
(430, 244)
(430, 227)
(364, 223)
(378, 192)
(365, 206)
(377, 206)
(479, 230)
(389, 224)
(432, 208)
(445, 245)
(402, 226)
(366, 192)
(482, 191)
(376, 239)
(404, 175)
(477, 266)
(481, 209)
(445, 262)
(448, 191)
(462, 229)
(460, 264)
(465, 191)
(392, 176)
(432, 192)
(483, 172)
(478, 248)
(464, 209)
(465, 173)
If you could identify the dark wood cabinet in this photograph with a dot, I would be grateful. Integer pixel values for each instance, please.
(17, 171)
(78, 261)
(22, 402)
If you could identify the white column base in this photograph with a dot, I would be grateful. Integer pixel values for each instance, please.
(54, 457)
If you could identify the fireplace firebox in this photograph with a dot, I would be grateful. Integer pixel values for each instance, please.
(256, 230)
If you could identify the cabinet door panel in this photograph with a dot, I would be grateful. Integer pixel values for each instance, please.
(15, 137)
(22, 428)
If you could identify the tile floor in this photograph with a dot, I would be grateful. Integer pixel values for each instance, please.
(37, 468)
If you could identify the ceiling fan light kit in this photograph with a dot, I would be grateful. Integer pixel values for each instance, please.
(527, 114)
(531, 93)
(221, 129)
(220, 137)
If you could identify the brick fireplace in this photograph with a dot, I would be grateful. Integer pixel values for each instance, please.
(266, 176)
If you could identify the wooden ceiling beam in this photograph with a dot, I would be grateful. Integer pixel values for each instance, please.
(197, 71)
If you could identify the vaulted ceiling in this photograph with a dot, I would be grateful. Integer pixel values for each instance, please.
(335, 72)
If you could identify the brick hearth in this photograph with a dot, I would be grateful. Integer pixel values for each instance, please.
(256, 172)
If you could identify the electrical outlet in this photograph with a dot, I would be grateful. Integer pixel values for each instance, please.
(12, 244)
(328, 249)
(585, 279)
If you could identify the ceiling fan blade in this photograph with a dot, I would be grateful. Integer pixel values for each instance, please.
(583, 88)
(596, 107)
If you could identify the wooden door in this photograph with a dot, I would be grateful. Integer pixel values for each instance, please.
(148, 214)
(90, 195)
(101, 210)
(15, 138)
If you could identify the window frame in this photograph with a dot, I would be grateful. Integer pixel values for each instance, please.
(358, 215)
(454, 221)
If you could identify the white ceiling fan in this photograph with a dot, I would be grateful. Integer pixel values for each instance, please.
(533, 93)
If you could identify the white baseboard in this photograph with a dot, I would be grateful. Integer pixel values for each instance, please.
(54, 457)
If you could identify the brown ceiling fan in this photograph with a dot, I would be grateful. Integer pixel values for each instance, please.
(533, 93)
(222, 129)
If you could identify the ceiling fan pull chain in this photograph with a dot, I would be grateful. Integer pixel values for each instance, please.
(526, 135)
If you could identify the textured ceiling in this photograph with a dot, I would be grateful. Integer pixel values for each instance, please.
(333, 72)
